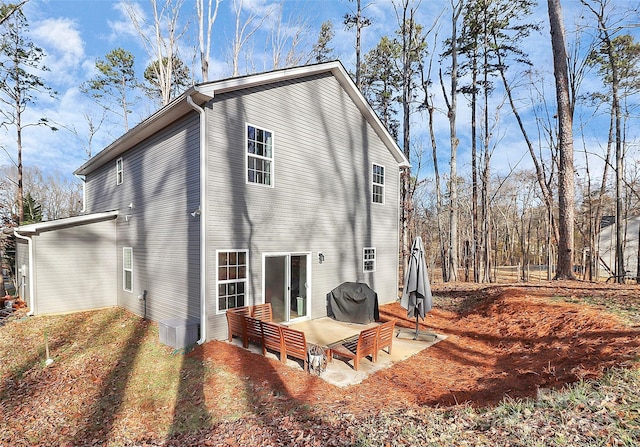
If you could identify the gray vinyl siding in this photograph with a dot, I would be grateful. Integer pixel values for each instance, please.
(321, 199)
(74, 268)
(22, 259)
(159, 191)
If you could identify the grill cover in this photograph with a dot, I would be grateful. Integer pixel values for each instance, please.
(353, 302)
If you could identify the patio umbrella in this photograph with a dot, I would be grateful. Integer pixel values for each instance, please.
(416, 296)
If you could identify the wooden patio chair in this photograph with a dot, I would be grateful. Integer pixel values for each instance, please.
(385, 335)
(365, 345)
(272, 339)
(262, 312)
(235, 322)
(295, 345)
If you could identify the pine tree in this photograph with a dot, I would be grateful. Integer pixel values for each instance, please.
(112, 86)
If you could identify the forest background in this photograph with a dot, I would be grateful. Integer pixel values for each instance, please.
(467, 87)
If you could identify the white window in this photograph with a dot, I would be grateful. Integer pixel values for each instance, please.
(127, 269)
(378, 184)
(259, 156)
(232, 279)
(119, 171)
(369, 259)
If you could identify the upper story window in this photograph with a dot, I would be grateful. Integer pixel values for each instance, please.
(119, 171)
(259, 156)
(378, 184)
(232, 279)
(369, 259)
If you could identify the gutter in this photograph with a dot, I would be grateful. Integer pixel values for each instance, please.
(32, 296)
(83, 179)
(202, 216)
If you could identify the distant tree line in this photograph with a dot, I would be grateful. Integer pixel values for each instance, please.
(457, 85)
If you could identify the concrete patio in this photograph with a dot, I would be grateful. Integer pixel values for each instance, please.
(324, 331)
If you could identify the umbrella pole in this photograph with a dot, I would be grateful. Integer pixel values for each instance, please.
(415, 337)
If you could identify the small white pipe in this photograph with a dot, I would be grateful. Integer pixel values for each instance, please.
(203, 221)
(29, 276)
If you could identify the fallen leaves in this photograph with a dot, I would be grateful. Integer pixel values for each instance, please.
(112, 383)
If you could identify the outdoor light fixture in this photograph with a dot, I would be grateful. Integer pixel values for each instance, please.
(196, 213)
(320, 257)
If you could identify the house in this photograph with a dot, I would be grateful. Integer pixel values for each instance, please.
(607, 246)
(275, 187)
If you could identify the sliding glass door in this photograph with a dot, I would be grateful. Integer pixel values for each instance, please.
(286, 284)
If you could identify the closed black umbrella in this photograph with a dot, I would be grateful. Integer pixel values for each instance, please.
(416, 296)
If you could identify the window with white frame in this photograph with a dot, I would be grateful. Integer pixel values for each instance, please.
(119, 171)
(259, 156)
(378, 184)
(369, 259)
(127, 269)
(232, 279)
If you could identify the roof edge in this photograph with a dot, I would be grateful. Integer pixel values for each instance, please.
(201, 93)
(84, 219)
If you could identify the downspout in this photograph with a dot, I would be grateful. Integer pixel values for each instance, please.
(83, 179)
(32, 296)
(203, 221)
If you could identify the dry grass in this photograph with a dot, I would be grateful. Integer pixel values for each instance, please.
(113, 383)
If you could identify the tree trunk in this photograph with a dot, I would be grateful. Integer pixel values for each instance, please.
(566, 193)
(474, 168)
(453, 177)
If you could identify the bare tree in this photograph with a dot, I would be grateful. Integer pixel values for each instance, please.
(428, 105)
(358, 21)
(247, 23)
(614, 60)
(207, 14)
(286, 38)
(452, 110)
(160, 39)
(566, 199)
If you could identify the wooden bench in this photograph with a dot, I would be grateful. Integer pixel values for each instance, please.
(295, 345)
(366, 344)
(385, 336)
(261, 312)
(272, 339)
(237, 324)
(253, 331)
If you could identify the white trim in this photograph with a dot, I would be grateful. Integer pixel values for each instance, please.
(218, 282)
(205, 92)
(374, 260)
(119, 171)
(125, 270)
(271, 160)
(68, 221)
(374, 184)
(288, 254)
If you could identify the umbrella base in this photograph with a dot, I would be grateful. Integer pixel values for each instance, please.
(416, 334)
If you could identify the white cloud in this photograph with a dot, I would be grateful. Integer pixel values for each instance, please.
(63, 45)
(124, 27)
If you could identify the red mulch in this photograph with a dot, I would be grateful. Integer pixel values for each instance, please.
(509, 340)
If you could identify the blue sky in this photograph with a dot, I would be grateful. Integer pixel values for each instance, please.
(74, 33)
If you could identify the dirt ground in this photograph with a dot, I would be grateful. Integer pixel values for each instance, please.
(502, 341)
